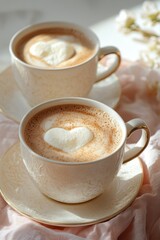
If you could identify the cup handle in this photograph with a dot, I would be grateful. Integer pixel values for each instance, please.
(104, 51)
(133, 125)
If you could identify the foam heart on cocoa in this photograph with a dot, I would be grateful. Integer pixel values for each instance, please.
(68, 140)
(52, 52)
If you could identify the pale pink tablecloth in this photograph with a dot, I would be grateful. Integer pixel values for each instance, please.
(141, 220)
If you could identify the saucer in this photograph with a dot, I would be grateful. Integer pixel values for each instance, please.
(21, 194)
(14, 105)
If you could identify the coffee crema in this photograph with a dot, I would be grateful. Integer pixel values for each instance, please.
(73, 133)
(54, 48)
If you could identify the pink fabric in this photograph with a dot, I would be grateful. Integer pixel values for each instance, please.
(141, 220)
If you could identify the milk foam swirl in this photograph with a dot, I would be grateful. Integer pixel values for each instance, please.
(68, 140)
(52, 52)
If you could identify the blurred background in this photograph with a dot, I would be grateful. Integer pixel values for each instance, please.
(19, 13)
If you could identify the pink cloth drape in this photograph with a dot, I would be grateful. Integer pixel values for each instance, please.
(141, 220)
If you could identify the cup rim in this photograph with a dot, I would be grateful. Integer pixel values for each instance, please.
(80, 28)
(78, 100)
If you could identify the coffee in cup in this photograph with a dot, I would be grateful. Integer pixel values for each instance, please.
(54, 48)
(73, 133)
(80, 166)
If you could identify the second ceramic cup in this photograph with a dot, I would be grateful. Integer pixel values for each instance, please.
(77, 52)
(73, 148)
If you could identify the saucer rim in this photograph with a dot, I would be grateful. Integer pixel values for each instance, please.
(64, 224)
(13, 118)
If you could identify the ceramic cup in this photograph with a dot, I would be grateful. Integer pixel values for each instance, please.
(39, 84)
(76, 182)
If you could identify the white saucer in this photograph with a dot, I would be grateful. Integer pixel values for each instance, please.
(22, 195)
(14, 105)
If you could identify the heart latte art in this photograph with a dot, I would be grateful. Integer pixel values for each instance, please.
(73, 133)
(68, 140)
(52, 52)
(54, 48)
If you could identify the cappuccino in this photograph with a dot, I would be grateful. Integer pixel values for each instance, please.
(73, 133)
(54, 48)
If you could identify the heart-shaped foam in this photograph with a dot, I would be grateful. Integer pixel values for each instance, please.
(68, 140)
(52, 52)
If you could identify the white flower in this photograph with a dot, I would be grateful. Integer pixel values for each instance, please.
(147, 25)
(151, 58)
(150, 10)
(125, 19)
(152, 53)
(154, 45)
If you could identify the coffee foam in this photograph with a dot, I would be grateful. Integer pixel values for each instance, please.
(68, 140)
(54, 50)
(105, 131)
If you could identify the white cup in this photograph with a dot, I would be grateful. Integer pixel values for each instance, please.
(42, 84)
(76, 182)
